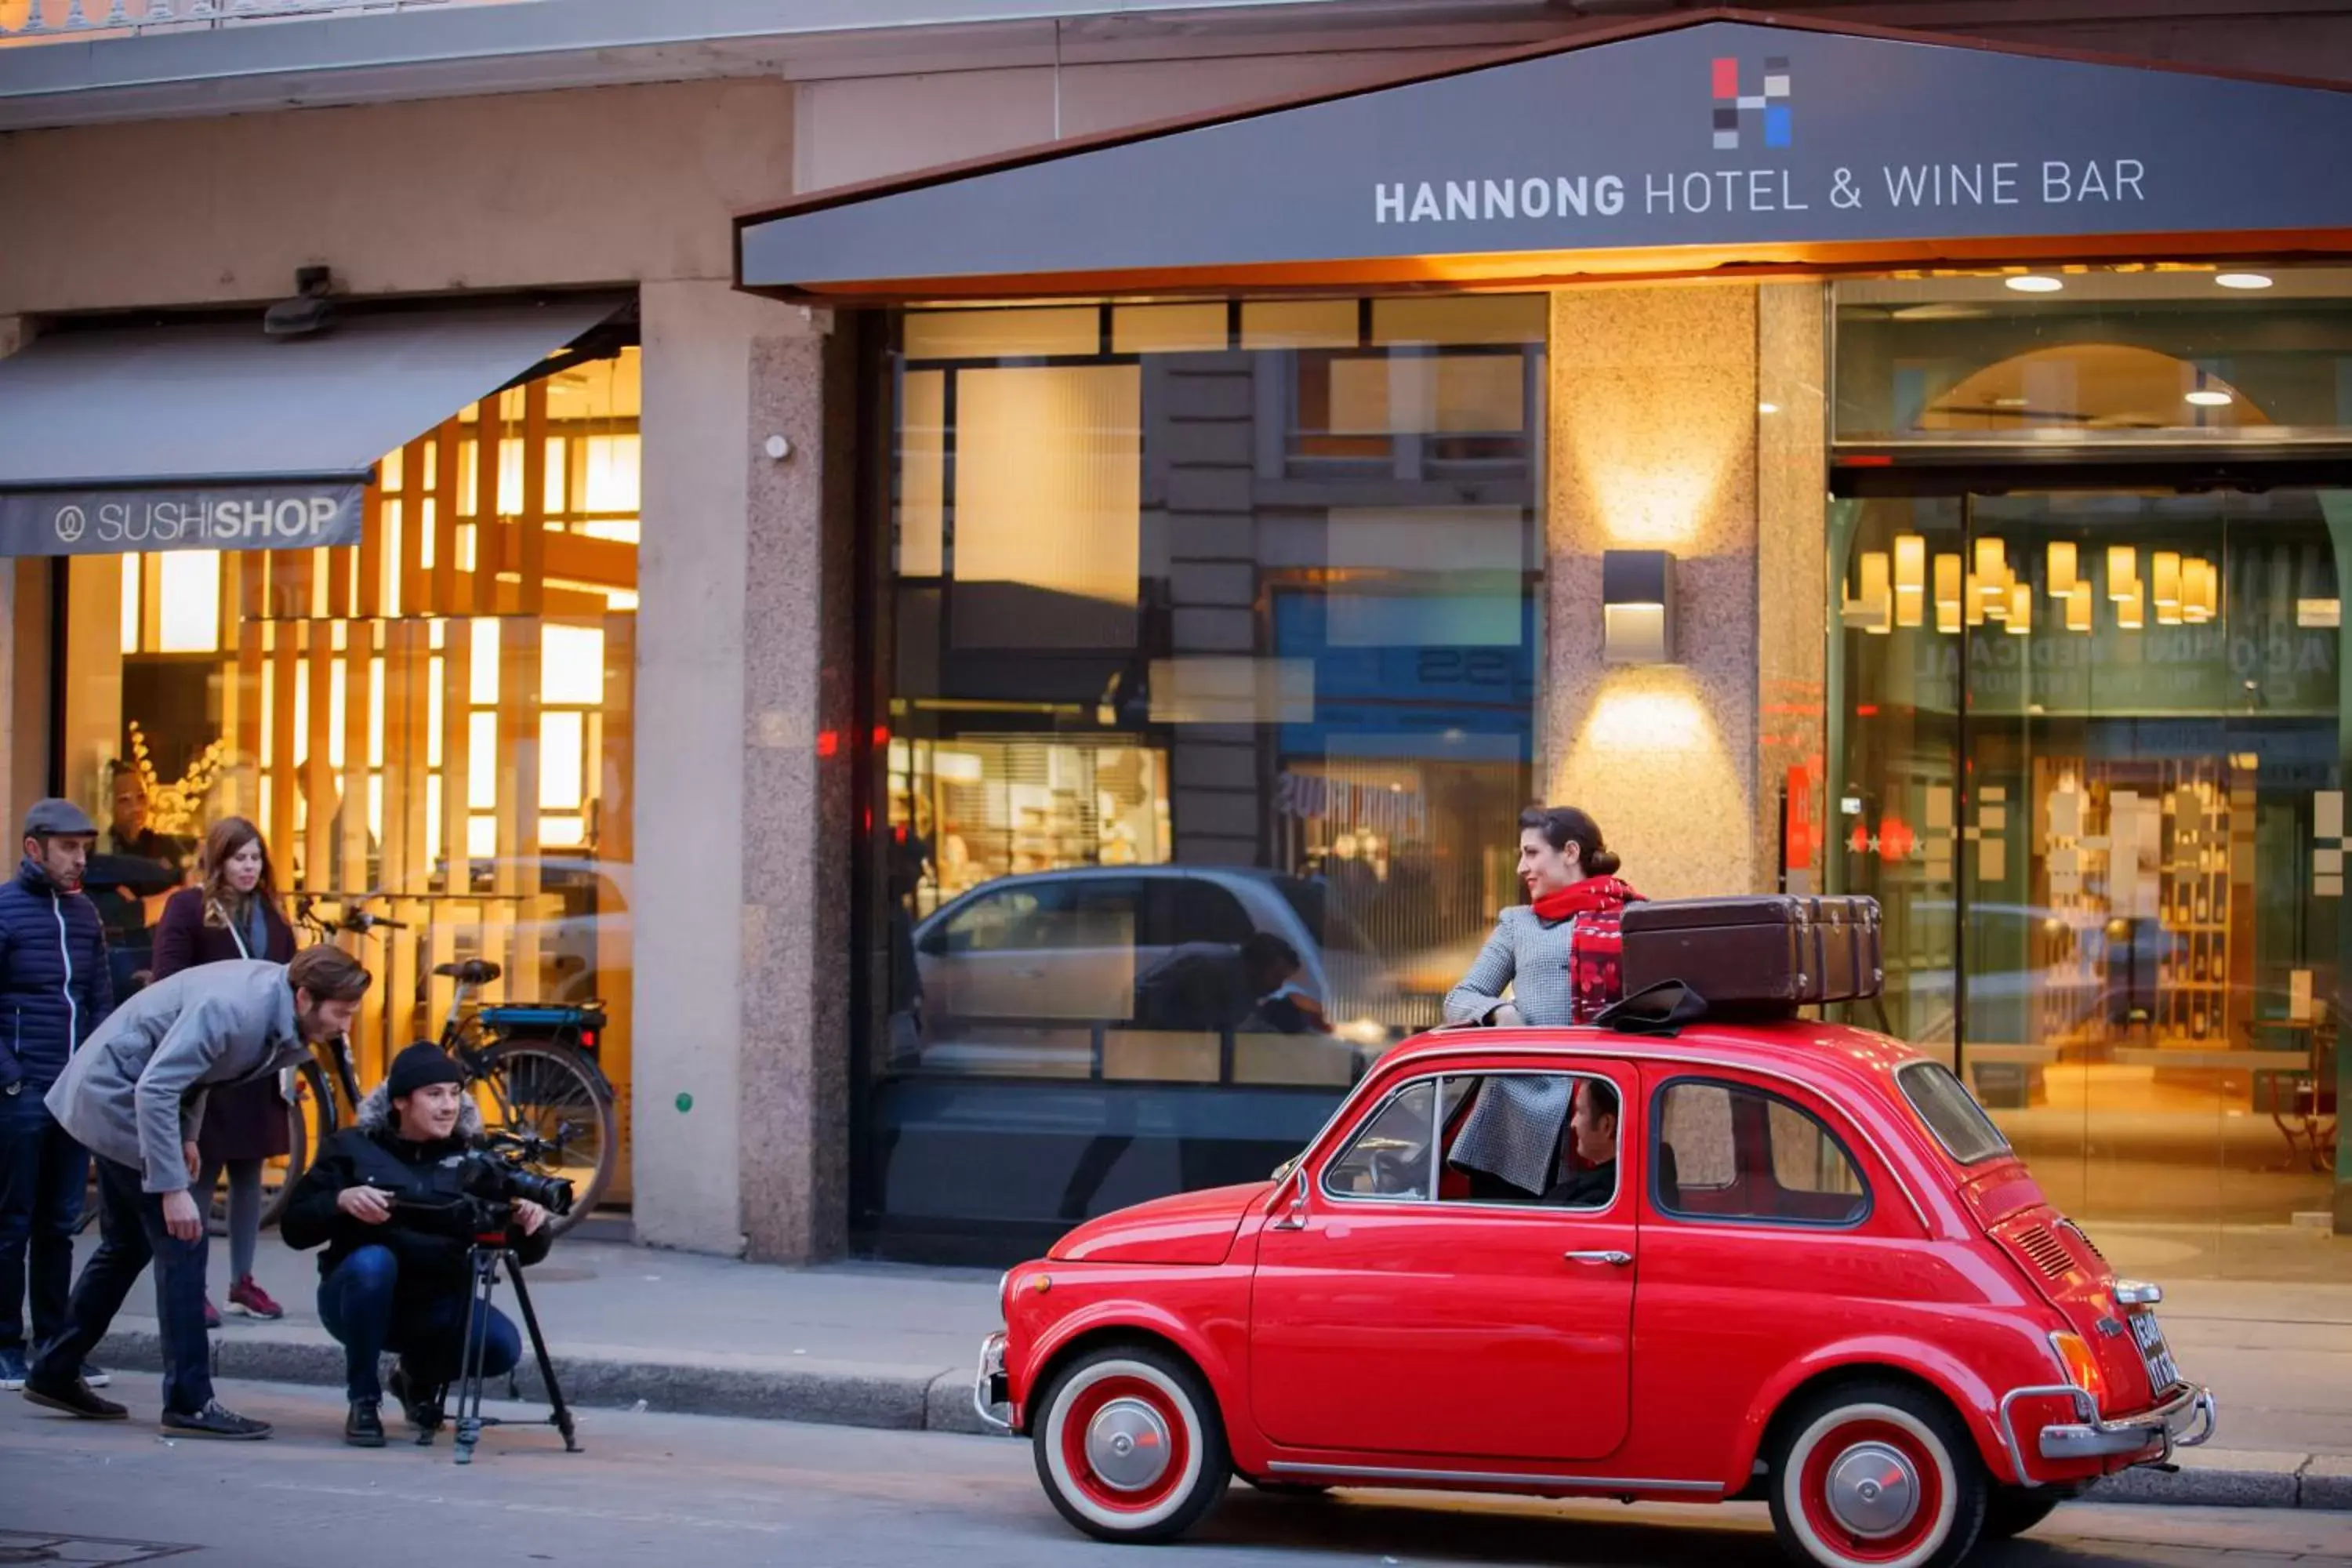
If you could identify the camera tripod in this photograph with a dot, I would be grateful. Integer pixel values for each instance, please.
(487, 1252)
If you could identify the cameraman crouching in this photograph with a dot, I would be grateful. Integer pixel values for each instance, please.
(392, 1276)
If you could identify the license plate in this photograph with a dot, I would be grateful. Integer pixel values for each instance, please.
(2162, 1373)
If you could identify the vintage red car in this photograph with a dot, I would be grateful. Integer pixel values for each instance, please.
(1814, 1274)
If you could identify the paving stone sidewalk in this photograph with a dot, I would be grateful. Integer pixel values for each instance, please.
(885, 1345)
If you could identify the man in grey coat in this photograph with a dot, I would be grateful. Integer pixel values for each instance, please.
(134, 1097)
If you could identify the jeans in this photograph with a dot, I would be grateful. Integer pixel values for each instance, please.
(41, 1177)
(244, 1209)
(362, 1305)
(131, 1235)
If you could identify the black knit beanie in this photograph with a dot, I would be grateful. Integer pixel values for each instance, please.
(419, 1065)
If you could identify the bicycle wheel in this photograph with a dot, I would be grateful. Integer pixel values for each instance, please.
(310, 1120)
(556, 1094)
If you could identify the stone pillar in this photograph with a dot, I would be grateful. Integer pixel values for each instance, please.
(799, 813)
(687, 920)
(1791, 573)
(1654, 446)
(24, 656)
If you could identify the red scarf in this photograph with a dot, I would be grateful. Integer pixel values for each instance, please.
(1593, 943)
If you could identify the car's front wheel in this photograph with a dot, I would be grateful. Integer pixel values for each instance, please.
(1877, 1476)
(1128, 1443)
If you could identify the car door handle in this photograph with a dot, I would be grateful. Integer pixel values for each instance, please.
(1613, 1259)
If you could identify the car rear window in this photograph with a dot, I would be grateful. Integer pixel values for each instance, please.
(1951, 1113)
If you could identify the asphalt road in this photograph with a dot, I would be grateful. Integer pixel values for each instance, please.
(658, 1489)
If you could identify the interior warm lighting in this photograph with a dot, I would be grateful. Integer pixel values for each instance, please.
(375, 715)
(2035, 283)
(1993, 580)
(2123, 572)
(482, 679)
(2200, 591)
(572, 665)
(481, 760)
(1910, 579)
(130, 574)
(2164, 586)
(1947, 594)
(562, 784)
(2062, 568)
(2243, 280)
(2078, 609)
(481, 838)
(2131, 614)
(2021, 609)
(1872, 609)
(338, 709)
(2209, 397)
(1768, 408)
(2318, 613)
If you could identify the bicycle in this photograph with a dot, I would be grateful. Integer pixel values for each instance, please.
(528, 1065)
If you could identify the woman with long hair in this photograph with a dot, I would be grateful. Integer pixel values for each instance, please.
(233, 913)
(1557, 958)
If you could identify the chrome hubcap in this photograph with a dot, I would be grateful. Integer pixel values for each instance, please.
(1873, 1491)
(1127, 1446)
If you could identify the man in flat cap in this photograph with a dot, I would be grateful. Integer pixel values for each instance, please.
(53, 990)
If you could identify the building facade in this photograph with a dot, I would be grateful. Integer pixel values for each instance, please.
(1013, 681)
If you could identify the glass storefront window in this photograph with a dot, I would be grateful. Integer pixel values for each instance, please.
(2110, 357)
(1209, 699)
(437, 719)
(2087, 751)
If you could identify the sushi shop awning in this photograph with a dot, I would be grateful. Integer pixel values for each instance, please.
(212, 436)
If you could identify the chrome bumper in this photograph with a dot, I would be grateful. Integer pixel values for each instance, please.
(988, 1390)
(2183, 1421)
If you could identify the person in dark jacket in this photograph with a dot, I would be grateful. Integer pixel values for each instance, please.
(53, 990)
(150, 863)
(233, 913)
(393, 1278)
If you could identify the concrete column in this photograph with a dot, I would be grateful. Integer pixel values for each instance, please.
(687, 920)
(798, 807)
(1654, 446)
(1791, 569)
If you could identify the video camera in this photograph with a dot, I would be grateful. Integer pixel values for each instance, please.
(493, 1181)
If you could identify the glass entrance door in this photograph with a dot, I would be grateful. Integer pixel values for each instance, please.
(2092, 767)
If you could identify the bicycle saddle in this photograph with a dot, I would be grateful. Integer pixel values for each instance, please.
(473, 972)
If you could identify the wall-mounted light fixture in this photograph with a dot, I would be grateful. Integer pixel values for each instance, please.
(1637, 606)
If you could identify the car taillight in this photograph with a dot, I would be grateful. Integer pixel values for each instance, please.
(2082, 1366)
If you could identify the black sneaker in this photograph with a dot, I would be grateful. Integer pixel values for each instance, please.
(213, 1421)
(75, 1398)
(420, 1402)
(363, 1428)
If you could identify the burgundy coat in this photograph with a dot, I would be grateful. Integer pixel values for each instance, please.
(246, 1122)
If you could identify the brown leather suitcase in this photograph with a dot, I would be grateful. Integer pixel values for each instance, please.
(1771, 952)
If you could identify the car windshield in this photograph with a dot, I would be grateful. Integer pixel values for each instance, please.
(1951, 1113)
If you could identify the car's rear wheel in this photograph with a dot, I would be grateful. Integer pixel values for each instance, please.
(1877, 1476)
(2012, 1510)
(1128, 1443)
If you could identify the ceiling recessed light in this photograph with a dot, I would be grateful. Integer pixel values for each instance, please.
(2206, 397)
(2243, 280)
(2035, 283)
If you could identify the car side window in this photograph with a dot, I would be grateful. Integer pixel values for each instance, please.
(1519, 1142)
(1730, 1152)
(1202, 912)
(1389, 1158)
(994, 923)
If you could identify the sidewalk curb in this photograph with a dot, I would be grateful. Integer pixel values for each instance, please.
(834, 1393)
(843, 1393)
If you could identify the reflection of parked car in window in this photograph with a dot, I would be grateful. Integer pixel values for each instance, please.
(1074, 945)
(593, 898)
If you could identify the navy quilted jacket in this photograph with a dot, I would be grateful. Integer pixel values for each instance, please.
(54, 985)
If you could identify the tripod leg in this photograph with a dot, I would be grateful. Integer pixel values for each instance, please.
(469, 1365)
(560, 1413)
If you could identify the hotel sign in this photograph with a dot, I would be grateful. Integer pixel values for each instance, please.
(1722, 133)
(203, 516)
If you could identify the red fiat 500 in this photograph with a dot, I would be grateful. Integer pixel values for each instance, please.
(1796, 1263)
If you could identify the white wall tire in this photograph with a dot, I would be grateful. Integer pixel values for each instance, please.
(1876, 1476)
(1129, 1444)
